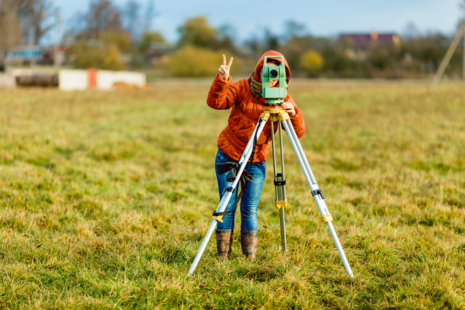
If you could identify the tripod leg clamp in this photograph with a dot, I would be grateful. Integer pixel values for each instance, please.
(318, 192)
(327, 218)
(283, 116)
(265, 116)
(281, 204)
(219, 218)
(219, 215)
(227, 189)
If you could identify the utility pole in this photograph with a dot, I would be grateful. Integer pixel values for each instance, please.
(458, 36)
(450, 52)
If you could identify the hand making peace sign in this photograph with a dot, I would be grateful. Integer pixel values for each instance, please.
(224, 69)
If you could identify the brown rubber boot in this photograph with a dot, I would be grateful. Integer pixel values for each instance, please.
(249, 243)
(224, 238)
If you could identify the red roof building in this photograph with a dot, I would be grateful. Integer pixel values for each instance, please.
(364, 40)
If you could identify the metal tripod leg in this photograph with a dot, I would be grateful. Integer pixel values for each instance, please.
(281, 211)
(316, 192)
(228, 193)
(279, 182)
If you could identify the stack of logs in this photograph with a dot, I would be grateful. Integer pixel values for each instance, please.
(39, 79)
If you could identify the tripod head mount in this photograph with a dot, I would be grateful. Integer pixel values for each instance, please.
(274, 95)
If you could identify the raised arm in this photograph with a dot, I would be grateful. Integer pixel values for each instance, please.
(222, 94)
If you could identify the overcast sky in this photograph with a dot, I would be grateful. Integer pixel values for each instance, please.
(322, 18)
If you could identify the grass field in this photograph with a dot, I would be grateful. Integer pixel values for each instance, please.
(106, 196)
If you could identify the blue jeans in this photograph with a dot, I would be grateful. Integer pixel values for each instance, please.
(250, 198)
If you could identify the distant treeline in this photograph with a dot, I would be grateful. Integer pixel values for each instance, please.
(109, 36)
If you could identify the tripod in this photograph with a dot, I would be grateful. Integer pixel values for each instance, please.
(280, 116)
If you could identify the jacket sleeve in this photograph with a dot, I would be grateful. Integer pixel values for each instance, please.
(223, 94)
(297, 120)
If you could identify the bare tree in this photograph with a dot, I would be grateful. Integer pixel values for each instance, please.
(150, 14)
(36, 16)
(461, 19)
(132, 19)
(11, 33)
(294, 29)
(103, 15)
(411, 31)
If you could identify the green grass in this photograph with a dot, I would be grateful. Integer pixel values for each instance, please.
(105, 198)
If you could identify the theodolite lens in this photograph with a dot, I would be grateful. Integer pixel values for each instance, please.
(274, 73)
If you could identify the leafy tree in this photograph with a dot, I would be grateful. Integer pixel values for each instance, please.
(312, 62)
(120, 40)
(196, 61)
(380, 58)
(148, 38)
(104, 55)
(197, 31)
(99, 57)
(193, 61)
(339, 64)
(296, 46)
(429, 50)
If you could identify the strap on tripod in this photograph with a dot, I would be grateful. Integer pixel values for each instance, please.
(233, 167)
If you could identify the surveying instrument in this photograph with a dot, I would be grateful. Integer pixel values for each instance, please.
(273, 98)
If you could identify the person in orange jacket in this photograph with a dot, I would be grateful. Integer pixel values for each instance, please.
(246, 103)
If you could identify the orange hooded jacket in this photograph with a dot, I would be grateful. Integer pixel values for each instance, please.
(245, 112)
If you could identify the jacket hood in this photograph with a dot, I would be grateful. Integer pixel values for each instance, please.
(259, 65)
